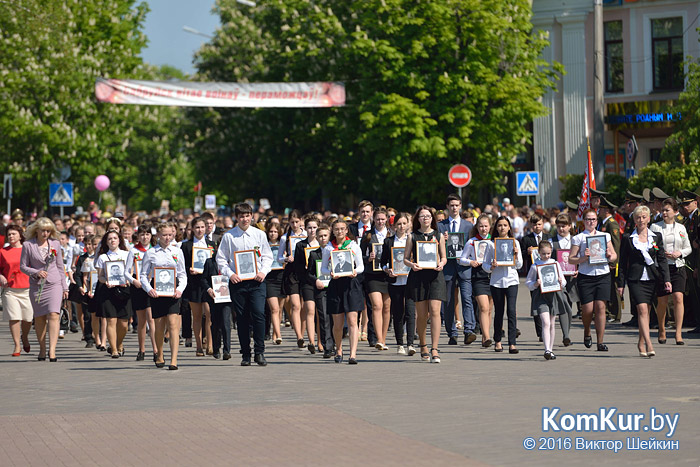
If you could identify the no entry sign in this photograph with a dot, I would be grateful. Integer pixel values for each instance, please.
(459, 175)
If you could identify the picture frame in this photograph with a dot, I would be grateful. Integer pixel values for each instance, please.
(200, 255)
(377, 249)
(222, 292)
(567, 268)
(427, 254)
(276, 265)
(535, 256)
(548, 275)
(137, 267)
(246, 264)
(293, 240)
(324, 278)
(397, 264)
(164, 281)
(342, 263)
(597, 246)
(114, 272)
(455, 245)
(94, 279)
(480, 247)
(307, 252)
(504, 251)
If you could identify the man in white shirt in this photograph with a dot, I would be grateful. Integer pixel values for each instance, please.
(247, 296)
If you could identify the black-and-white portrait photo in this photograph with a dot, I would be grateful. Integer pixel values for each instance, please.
(341, 263)
(455, 245)
(246, 266)
(164, 281)
(505, 251)
(219, 285)
(548, 275)
(596, 245)
(276, 265)
(535, 256)
(377, 248)
(480, 249)
(93, 281)
(199, 257)
(427, 256)
(115, 272)
(397, 264)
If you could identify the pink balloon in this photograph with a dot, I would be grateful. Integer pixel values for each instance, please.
(101, 182)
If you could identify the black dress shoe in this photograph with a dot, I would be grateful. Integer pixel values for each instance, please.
(327, 353)
(267, 337)
(160, 364)
(227, 356)
(260, 359)
(587, 341)
(352, 361)
(300, 343)
(155, 357)
(338, 358)
(55, 359)
(172, 367)
(567, 342)
(498, 349)
(41, 359)
(517, 332)
(245, 361)
(453, 341)
(312, 348)
(513, 351)
(140, 356)
(602, 348)
(469, 338)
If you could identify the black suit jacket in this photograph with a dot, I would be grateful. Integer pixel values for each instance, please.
(187, 248)
(526, 242)
(631, 265)
(354, 229)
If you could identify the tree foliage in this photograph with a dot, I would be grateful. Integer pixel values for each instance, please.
(51, 51)
(429, 84)
(686, 137)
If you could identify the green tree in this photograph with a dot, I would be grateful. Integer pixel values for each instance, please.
(684, 143)
(51, 51)
(429, 84)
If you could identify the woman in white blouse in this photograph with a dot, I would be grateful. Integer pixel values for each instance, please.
(504, 285)
(677, 246)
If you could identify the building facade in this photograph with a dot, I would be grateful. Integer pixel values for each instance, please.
(645, 45)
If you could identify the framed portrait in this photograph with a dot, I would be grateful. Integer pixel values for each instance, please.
(137, 267)
(480, 247)
(505, 251)
(324, 278)
(200, 256)
(567, 268)
(597, 246)
(307, 252)
(276, 265)
(219, 284)
(114, 271)
(293, 240)
(342, 263)
(427, 254)
(164, 281)
(455, 245)
(246, 265)
(397, 264)
(93, 281)
(377, 248)
(535, 255)
(548, 275)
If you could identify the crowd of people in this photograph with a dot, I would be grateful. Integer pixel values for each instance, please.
(332, 276)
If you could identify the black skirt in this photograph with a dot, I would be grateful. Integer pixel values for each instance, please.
(376, 283)
(164, 306)
(345, 295)
(481, 286)
(273, 283)
(194, 292)
(592, 288)
(290, 284)
(115, 302)
(75, 296)
(139, 299)
(678, 281)
(642, 291)
(426, 284)
(308, 292)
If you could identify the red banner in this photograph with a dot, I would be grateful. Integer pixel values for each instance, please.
(588, 183)
(191, 94)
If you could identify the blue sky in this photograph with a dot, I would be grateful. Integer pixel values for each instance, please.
(168, 44)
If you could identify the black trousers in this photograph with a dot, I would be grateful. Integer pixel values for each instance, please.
(221, 325)
(325, 320)
(371, 335)
(499, 303)
(536, 320)
(403, 312)
(248, 300)
(186, 314)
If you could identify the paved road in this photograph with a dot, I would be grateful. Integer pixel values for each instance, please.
(476, 407)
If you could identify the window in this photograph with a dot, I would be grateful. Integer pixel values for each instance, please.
(614, 65)
(667, 53)
(655, 154)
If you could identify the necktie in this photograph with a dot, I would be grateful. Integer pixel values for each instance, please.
(454, 225)
(537, 240)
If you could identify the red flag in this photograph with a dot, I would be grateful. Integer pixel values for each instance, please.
(588, 183)
(620, 221)
(198, 187)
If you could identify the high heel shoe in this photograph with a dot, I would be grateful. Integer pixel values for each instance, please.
(27, 348)
(662, 341)
(435, 358)
(55, 359)
(425, 356)
(651, 353)
(643, 354)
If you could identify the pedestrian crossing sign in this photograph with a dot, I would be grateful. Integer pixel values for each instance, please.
(527, 183)
(61, 194)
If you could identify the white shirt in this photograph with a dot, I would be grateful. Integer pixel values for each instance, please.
(201, 243)
(238, 239)
(587, 268)
(361, 231)
(675, 239)
(564, 242)
(381, 235)
(469, 252)
(453, 224)
(518, 223)
(116, 255)
(502, 277)
(532, 274)
(134, 255)
(159, 257)
(282, 252)
(356, 257)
